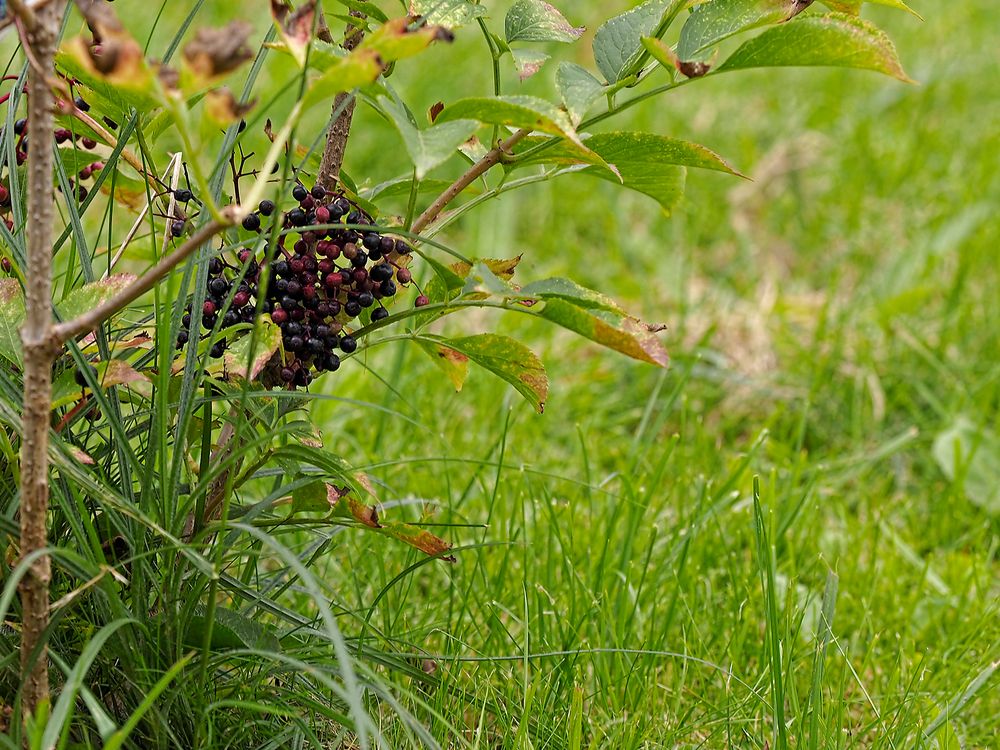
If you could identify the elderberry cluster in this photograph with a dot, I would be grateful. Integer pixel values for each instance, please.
(330, 271)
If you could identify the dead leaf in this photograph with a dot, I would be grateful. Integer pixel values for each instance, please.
(214, 53)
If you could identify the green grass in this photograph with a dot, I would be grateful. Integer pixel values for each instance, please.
(761, 534)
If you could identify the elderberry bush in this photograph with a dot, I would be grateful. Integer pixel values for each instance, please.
(328, 271)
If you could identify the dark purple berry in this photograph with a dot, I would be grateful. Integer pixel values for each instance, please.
(266, 207)
(299, 193)
(251, 222)
(379, 313)
(177, 228)
(348, 344)
(183, 195)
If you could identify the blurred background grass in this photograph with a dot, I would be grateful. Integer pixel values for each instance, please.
(844, 301)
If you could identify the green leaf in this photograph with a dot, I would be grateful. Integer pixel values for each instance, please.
(237, 359)
(507, 359)
(971, 455)
(65, 390)
(311, 498)
(537, 21)
(528, 62)
(12, 315)
(711, 22)
(450, 13)
(854, 6)
(626, 147)
(358, 69)
(399, 38)
(569, 290)
(432, 146)
(617, 42)
(91, 295)
(836, 40)
(230, 630)
(624, 334)
(454, 364)
(515, 111)
(578, 90)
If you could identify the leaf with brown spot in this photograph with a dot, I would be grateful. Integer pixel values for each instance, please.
(240, 362)
(454, 364)
(434, 111)
(295, 26)
(91, 295)
(401, 37)
(65, 389)
(222, 108)
(214, 53)
(502, 267)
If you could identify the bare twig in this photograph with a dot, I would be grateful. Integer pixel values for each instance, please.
(94, 317)
(40, 347)
(340, 129)
(477, 170)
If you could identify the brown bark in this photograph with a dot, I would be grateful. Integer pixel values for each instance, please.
(40, 347)
(340, 129)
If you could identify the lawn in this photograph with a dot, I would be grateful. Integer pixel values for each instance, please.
(778, 541)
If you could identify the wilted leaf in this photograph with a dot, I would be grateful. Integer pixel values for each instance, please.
(237, 359)
(503, 267)
(295, 26)
(454, 364)
(223, 109)
(507, 359)
(834, 40)
(116, 57)
(214, 53)
(401, 38)
(65, 390)
(538, 21)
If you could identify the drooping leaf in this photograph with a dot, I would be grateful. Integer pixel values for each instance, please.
(214, 53)
(578, 90)
(971, 454)
(527, 62)
(450, 13)
(454, 364)
(569, 290)
(503, 267)
(400, 38)
(89, 296)
(357, 69)
(237, 359)
(711, 22)
(664, 54)
(295, 26)
(12, 315)
(617, 42)
(430, 147)
(833, 40)
(65, 390)
(624, 334)
(538, 21)
(515, 111)
(507, 359)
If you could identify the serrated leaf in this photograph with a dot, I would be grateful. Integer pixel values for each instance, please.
(237, 359)
(509, 360)
(515, 111)
(12, 316)
(971, 454)
(450, 13)
(538, 21)
(430, 147)
(578, 90)
(454, 364)
(711, 22)
(624, 334)
(91, 295)
(833, 40)
(617, 42)
(528, 62)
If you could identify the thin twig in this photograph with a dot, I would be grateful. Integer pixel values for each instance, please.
(95, 316)
(477, 170)
(42, 30)
(340, 129)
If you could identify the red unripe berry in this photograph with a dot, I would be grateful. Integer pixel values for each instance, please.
(62, 135)
(403, 276)
(322, 215)
(296, 265)
(5, 264)
(307, 202)
(244, 255)
(208, 308)
(308, 292)
(88, 142)
(85, 173)
(360, 276)
(421, 301)
(325, 266)
(97, 166)
(279, 316)
(9, 223)
(334, 279)
(4, 194)
(240, 299)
